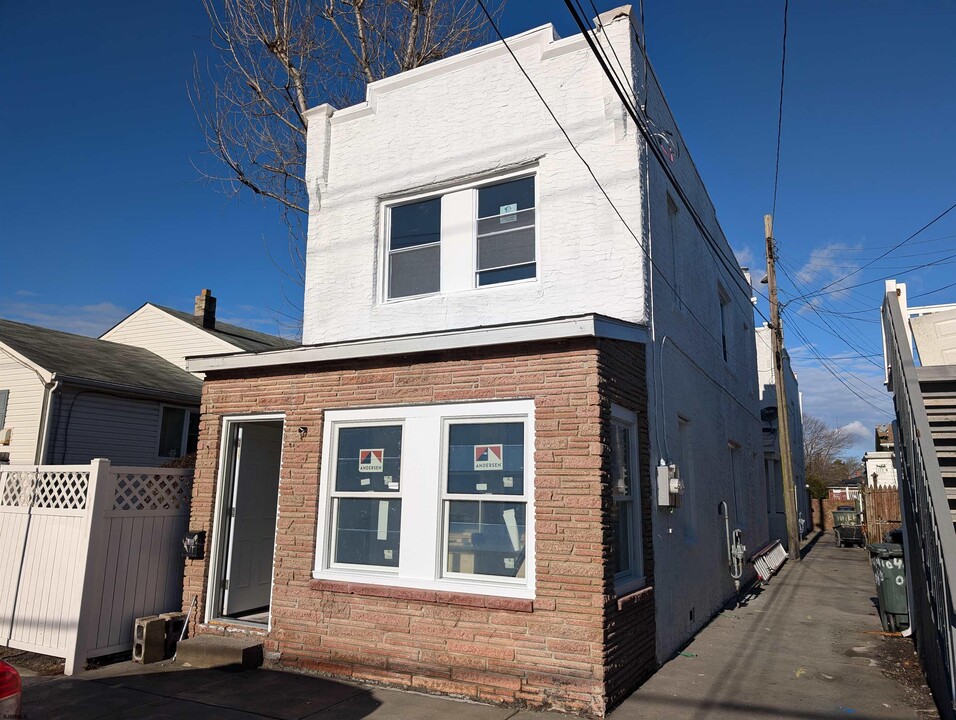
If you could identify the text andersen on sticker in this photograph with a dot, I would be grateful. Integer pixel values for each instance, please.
(488, 457)
(371, 460)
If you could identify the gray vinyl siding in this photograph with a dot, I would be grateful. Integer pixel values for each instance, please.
(90, 425)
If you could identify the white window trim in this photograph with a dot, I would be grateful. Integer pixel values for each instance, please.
(424, 451)
(635, 578)
(474, 185)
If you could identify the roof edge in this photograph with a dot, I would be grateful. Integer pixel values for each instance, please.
(562, 328)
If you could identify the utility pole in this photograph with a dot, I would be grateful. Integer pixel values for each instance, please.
(783, 416)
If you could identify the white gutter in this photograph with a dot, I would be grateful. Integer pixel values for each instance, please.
(43, 439)
(557, 329)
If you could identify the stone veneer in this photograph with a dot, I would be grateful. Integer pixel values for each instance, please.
(576, 647)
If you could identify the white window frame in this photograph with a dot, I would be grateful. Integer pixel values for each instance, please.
(633, 579)
(338, 495)
(464, 264)
(423, 482)
(726, 322)
(185, 436)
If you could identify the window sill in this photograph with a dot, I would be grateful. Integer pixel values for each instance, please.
(443, 597)
(633, 592)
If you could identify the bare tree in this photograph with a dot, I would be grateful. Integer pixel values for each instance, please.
(274, 59)
(823, 448)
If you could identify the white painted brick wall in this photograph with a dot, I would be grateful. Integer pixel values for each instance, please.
(471, 115)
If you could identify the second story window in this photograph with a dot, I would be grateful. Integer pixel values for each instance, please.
(468, 237)
(506, 232)
(414, 249)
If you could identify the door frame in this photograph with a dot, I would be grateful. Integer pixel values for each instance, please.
(218, 547)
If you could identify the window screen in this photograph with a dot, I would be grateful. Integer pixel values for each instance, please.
(414, 249)
(506, 232)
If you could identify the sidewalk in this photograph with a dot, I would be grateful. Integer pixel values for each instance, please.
(805, 647)
(808, 646)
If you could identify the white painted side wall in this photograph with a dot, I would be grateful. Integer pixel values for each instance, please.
(473, 116)
(167, 336)
(693, 387)
(883, 465)
(24, 409)
(88, 425)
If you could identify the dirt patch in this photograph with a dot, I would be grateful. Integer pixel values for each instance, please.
(37, 664)
(900, 662)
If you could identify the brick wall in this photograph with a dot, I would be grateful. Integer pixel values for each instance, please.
(629, 622)
(563, 650)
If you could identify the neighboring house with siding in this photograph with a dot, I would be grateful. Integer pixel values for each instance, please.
(455, 484)
(67, 399)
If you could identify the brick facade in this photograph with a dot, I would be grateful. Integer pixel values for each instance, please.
(575, 647)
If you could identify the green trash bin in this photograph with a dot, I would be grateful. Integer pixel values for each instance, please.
(889, 572)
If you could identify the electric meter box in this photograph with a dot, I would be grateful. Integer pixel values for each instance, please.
(669, 485)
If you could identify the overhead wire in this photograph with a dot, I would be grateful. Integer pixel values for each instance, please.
(607, 197)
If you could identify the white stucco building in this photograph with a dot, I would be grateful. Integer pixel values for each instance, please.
(465, 268)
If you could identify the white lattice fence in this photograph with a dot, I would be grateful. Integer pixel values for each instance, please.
(86, 549)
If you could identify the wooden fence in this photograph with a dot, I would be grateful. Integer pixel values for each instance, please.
(881, 513)
(87, 549)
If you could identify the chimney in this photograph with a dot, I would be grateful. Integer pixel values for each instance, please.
(204, 313)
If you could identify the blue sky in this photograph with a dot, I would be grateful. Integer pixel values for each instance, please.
(102, 208)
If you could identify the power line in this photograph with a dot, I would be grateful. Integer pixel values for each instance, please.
(883, 255)
(586, 32)
(597, 182)
(783, 74)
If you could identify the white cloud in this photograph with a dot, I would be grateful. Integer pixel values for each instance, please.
(859, 410)
(834, 263)
(92, 320)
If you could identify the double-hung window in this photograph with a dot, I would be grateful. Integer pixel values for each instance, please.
(414, 249)
(462, 239)
(485, 511)
(625, 507)
(437, 497)
(506, 242)
(366, 496)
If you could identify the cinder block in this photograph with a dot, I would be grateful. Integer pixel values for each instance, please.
(149, 639)
(175, 622)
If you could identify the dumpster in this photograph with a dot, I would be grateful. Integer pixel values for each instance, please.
(848, 528)
(889, 572)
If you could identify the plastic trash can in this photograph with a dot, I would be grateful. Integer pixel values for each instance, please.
(889, 572)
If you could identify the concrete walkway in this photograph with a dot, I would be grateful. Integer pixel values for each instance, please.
(807, 646)
(804, 647)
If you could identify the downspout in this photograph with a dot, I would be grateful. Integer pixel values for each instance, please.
(43, 435)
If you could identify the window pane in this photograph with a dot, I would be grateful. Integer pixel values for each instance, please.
(414, 272)
(369, 459)
(499, 199)
(521, 272)
(620, 460)
(621, 542)
(415, 224)
(486, 458)
(486, 538)
(171, 432)
(368, 531)
(507, 248)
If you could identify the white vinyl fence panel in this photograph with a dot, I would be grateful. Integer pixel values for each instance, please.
(86, 550)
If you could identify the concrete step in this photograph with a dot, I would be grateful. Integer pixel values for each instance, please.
(208, 651)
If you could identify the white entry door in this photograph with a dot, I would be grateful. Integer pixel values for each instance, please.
(252, 517)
